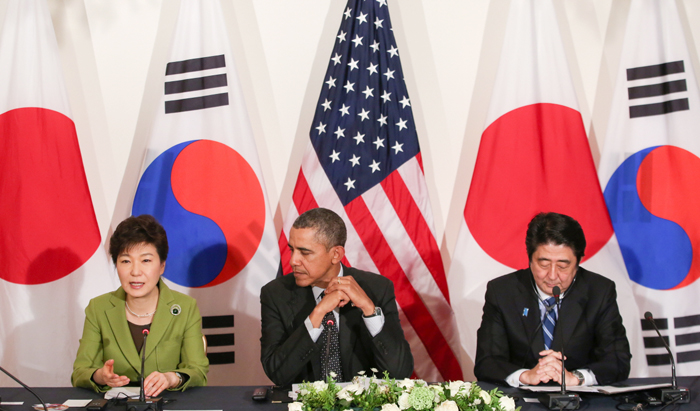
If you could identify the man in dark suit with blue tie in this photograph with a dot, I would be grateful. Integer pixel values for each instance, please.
(325, 317)
(520, 338)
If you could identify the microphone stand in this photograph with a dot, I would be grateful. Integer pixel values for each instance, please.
(673, 395)
(329, 323)
(143, 403)
(25, 387)
(563, 358)
(561, 401)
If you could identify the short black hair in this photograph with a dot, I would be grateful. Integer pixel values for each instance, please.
(330, 228)
(144, 229)
(557, 229)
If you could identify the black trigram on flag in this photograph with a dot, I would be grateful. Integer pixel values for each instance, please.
(184, 88)
(685, 335)
(639, 88)
(219, 340)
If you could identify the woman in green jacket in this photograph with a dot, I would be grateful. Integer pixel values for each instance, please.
(110, 349)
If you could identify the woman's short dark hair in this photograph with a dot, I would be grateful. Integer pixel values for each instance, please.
(144, 229)
(330, 228)
(557, 229)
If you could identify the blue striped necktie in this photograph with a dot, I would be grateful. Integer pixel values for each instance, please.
(550, 320)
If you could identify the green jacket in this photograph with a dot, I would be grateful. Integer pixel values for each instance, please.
(174, 343)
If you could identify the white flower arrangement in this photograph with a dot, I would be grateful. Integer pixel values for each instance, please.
(372, 394)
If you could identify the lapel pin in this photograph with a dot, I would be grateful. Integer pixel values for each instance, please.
(175, 309)
(525, 311)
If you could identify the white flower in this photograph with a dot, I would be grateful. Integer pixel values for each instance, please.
(344, 394)
(355, 387)
(303, 391)
(390, 407)
(406, 383)
(467, 386)
(403, 401)
(333, 375)
(507, 403)
(485, 396)
(477, 401)
(438, 389)
(295, 406)
(447, 406)
(455, 387)
(383, 389)
(361, 372)
(374, 370)
(319, 386)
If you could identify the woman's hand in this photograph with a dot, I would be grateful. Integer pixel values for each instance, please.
(106, 376)
(156, 382)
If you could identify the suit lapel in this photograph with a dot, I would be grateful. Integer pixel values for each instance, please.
(120, 329)
(162, 319)
(526, 299)
(301, 302)
(572, 308)
(350, 318)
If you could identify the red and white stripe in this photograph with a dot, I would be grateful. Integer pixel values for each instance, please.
(391, 232)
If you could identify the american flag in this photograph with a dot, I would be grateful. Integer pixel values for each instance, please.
(364, 163)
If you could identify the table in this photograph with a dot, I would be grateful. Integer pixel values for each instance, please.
(605, 402)
(239, 398)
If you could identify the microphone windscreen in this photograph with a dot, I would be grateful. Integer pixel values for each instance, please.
(556, 291)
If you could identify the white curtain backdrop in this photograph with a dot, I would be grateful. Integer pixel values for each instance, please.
(450, 51)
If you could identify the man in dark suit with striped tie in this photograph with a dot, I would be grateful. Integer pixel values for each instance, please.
(520, 338)
(326, 317)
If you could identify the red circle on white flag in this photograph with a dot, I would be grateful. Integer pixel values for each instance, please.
(534, 159)
(47, 222)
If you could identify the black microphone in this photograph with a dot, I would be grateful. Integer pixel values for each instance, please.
(561, 401)
(556, 291)
(329, 323)
(674, 395)
(142, 392)
(25, 387)
(144, 404)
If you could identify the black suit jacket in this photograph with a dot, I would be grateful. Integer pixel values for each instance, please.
(589, 322)
(289, 355)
